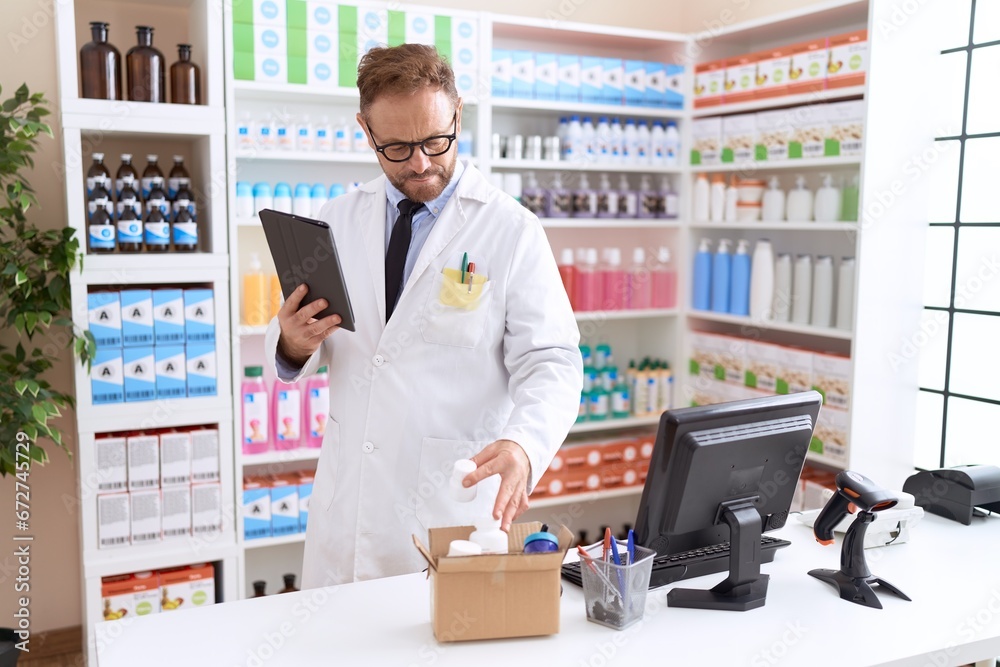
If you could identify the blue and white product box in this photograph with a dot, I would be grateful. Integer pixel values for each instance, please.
(284, 507)
(137, 317)
(546, 76)
(199, 315)
(256, 510)
(139, 373)
(468, 85)
(104, 313)
(373, 28)
(168, 316)
(522, 74)
(269, 12)
(464, 32)
(568, 89)
(419, 28)
(107, 384)
(202, 379)
(171, 371)
(270, 68)
(614, 81)
(592, 79)
(322, 14)
(674, 77)
(206, 509)
(270, 40)
(635, 82)
(305, 493)
(656, 85)
(500, 79)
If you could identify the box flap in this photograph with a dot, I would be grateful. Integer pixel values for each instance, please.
(423, 552)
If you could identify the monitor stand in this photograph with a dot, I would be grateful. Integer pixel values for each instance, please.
(745, 588)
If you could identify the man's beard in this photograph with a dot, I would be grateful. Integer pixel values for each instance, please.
(424, 192)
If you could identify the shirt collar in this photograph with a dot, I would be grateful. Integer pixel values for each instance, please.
(434, 206)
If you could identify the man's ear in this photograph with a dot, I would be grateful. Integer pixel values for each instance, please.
(364, 127)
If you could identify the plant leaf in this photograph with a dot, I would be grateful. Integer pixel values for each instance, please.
(38, 414)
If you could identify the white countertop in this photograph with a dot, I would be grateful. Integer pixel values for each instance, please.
(951, 572)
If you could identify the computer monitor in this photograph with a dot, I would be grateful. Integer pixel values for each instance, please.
(725, 472)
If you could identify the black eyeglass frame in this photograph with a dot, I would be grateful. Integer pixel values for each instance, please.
(413, 144)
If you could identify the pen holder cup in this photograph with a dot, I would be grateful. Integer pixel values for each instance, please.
(615, 594)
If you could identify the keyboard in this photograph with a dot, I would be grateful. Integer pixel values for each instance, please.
(689, 564)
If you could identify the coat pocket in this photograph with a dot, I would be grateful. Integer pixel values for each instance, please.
(326, 467)
(454, 315)
(435, 506)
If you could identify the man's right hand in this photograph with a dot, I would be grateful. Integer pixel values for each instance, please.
(301, 333)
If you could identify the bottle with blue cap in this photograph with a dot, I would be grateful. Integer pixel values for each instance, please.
(302, 203)
(336, 190)
(283, 197)
(541, 542)
(244, 200)
(262, 197)
(318, 199)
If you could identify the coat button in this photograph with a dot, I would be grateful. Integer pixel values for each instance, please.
(368, 448)
(378, 360)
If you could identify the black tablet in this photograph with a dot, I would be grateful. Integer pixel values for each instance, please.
(304, 252)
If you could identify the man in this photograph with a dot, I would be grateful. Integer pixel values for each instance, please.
(446, 363)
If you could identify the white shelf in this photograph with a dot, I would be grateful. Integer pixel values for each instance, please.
(580, 108)
(292, 92)
(817, 97)
(614, 424)
(649, 313)
(586, 497)
(583, 165)
(177, 261)
(160, 413)
(125, 560)
(781, 226)
(263, 542)
(609, 223)
(281, 456)
(801, 163)
(820, 332)
(145, 119)
(307, 156)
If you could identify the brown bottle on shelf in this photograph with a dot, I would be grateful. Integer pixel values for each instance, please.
(146, 71)
(258, 589)
(289, 584)
(185, 78)
(100, 66)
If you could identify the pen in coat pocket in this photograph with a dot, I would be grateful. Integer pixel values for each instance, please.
(472, 272)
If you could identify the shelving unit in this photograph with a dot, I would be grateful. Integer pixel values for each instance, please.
(752, 167)
(816, 97)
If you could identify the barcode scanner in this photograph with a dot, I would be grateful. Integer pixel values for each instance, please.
(853, 580)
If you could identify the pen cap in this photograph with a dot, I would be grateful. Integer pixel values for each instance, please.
(460, 493)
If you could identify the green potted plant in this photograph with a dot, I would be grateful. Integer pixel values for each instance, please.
(35, 266)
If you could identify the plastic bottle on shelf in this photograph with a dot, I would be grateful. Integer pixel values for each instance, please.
(799, 204)
(762, 281)
(739, 289)
(256, 300)
(584, 199)
(617, 141)
(588, 283)
(342, 137)
(336, 190)
(603, 359)
(640, 390)
(670, 201)
(702, 198)
(822, 295)
(262, 197)
(602, 152)
(255, 410)
(731, 198)
(532, 195)
(672, 145)
(305, 138)
(781, 301)
(359, 139)
(588, 137)
(562, 131)
(276, 297)
(702, 283)
(664, 281)
(718, 199)
(302, 200)
(317, 407)
(666, 388)
(156, 225)
(244, 132)
(126, 176)
(284, 132)
(323, 133)
(317, 199)
(849, 203)
(567, 271)
(607, 198)
(826, 207)
(773, 204)
(613, 282)
(286, 413)
(573, 145)
(283, 197)
(657, 144)
(643, 143)
(621, 405)
(630, 143)
(558, 199)
(802, 290)
(652, 378)
(722, 265)
(649, 199)
(845, 294)
(640, 282)
(599, 403)
(152, 171)
(264, 133)
(465, 144)
(628, 199)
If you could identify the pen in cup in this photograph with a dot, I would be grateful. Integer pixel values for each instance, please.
(585, 557)
(618, 561)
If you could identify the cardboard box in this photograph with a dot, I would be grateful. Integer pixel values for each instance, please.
(568, 88)
(500, 79)
(104, 315)
(741, 78)
(494, 596)
(655, 76)
(732, 357)
(774, 133)
(848, 60)
(129, 595)
(674, 82)
(546, 76)
(107, 383)
(706, 356)
(763, 366)
(807, 71)
(256, 509)
(171, 371)
(199, 316)
(137, 317)
(635, 82)
(739, 138)
(591, 79)
(201, 370)
(706, 140)
(175, 504)
(187, 587)
(143, 462)
(306, 480)
(845, 126)
(831, 376)
(284, 506)
(522, 74)
(175, 459)
(709, 84)
(809, 131)
(113, 520)
(614, 81)
(139, 373)
(772, 73)
(168, 316)
(205, 455)
(111, 457)
(146, 514)
(206, 509)
(795, 371)
(581, 480)
(584, 455)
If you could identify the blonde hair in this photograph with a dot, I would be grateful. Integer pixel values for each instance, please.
(403, 69)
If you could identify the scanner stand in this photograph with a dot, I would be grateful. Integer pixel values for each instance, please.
(854, 580)
(745, 588)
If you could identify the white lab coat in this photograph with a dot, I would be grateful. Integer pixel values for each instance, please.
(438, 383)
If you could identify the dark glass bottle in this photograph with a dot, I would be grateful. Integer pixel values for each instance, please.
(184, 229)
(184, 198)
(149, 174)
(98, 175)
(258, 588)
(289, 584)
(100, 225)
(129, 222)
(185, 78)
(145, 69)
(156, 227)
(126, 176)
(100, 66)
(177, 173)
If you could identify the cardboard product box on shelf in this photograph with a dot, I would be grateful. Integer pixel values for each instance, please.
(830, 438)
(568, 88)
(143, 462)
(206, 509)
(199, 316)
(139, 373)
(187, 587)
(613, 90)
(107, 382)
(175, 458)
(306, 479)
(635, 82)
(256, 508)
(591, 79)
(794, 371)
(674, 80)
(706, 356)
(175, 502)
(104, 315)
(732, 356)
(848, 63)
(171, 371)
(741, 78)
(706, 141)
(774, 133)
(147, 516)
(284, 505)
(205, 455)
(763, 366)
(831, 376)
(495, 596)
(620, 450)
(546, 76)
(129, 595)
(807, 71)
(112, 471)
(201, 370)
(168, 316)
(845, 128)
(581, 480)
(772, 73)
(522, 74)
(114, 526)
(739, 138)
(137, 317)
(809, 131)
(709, 84)
(581, 455)
(500, 77)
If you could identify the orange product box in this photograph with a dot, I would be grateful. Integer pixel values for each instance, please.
(620, 451)
(848, 60)
(646, 442)
(187, 587)
(772, 73)
(582, 480)
(741, 78)
(807, 71)
(129, 595)
(587, 455)
(709, 83)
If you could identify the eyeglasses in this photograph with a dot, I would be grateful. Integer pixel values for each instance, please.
(402, 151)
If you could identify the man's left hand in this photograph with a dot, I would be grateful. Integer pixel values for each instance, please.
(507, 459)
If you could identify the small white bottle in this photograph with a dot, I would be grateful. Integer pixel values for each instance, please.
(717, 199)
(342, 137)
(802, 290)
(781, 304)
(588, 135)
(244, 132)
(459, 493)
(826, 208)
(672, 145)
(603, 138)
(701, 199)
(630, 143)
(302, 200)
(305, 140)
(643, 143)
(799, 206)
(573, 146)
(822, 296)
(617, 141)
(732, 196)
(324, 135)
(359, 140)
(845, 294)
(284, 132)
(264, 133)
(489, 536)
(773, 205)
(762, 281)
(657, 144)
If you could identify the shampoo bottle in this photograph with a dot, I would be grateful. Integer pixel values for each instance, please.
(286, 415)
(773, 205)
(732, 196)
(701, 199)
(628, 199)
(558, 200)
(826, 208)
(762, 281)
(648, 199)
(822, 295)
(532, 196)
(607, 199)
(584, 199)
(739, 290)
(568, 274)
(845, 294)
(722, 263)
(317, 407)
(702, 295)
(255, 410)
(800, 202)
(670, 202)
(802, 290)
(613, 282)
(640, 283)
(664, 292)
(782, 299)
(717, 199)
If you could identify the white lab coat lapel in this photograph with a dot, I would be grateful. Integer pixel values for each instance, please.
(373, 230)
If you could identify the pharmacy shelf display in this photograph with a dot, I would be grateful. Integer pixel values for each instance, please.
(115, 499)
